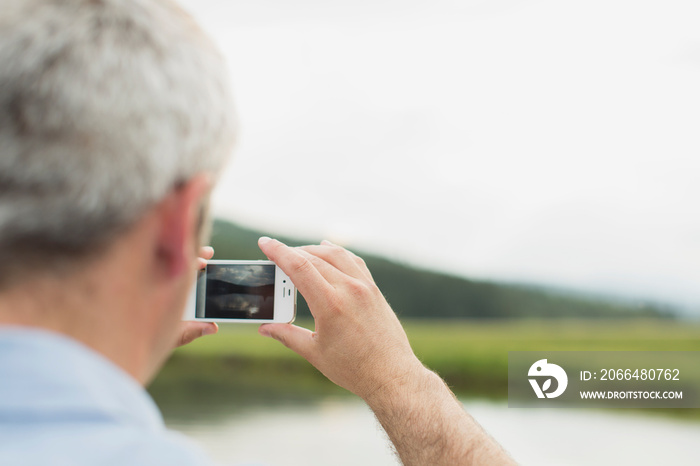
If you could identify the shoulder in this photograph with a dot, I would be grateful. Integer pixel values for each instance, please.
(103, 444)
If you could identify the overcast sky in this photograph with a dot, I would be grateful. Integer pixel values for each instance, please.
(244, 275)
(538, 141)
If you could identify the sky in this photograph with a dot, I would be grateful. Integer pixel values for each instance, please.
(543, 142)
(245, 275)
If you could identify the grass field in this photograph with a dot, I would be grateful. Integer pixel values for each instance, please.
(238, 364)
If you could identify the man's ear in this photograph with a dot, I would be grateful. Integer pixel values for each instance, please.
(179, 218)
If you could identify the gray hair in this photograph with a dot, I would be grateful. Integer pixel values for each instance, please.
(105, 106)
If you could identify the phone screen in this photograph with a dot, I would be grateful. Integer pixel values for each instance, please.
(236, 291)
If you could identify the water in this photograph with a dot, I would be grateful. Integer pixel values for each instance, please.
(343, 431)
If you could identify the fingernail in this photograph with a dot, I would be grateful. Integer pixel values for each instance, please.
(209, 330)
(264, 240)
(208, 249)
(263, 330)
(327, 243)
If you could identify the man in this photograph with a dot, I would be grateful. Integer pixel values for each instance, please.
(115, 118)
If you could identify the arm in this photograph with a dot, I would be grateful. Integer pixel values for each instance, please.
(359, 344)
(428, 425)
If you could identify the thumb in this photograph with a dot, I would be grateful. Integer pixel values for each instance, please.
(298, 339)
(190, 331)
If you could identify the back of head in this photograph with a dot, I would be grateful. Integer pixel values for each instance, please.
(105, 106)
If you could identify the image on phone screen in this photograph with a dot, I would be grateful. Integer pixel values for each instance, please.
(238, 292)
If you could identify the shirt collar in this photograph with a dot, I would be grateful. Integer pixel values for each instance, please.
(45, 374)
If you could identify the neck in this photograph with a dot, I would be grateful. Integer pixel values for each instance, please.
(96, 307)
(127, 303)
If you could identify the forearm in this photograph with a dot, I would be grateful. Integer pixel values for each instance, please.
(428, 425)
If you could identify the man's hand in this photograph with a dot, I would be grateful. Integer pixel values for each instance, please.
(190, 331)
(359, 343)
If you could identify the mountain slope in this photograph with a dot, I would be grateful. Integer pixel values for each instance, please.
(422, 293)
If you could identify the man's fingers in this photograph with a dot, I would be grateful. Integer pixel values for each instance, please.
(298, 339)
(328, 271)
(190, 331)
(205, 253)
(340, 258)
(299, 268)
(358, 260)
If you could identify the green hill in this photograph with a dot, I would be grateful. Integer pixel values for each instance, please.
(426, 294)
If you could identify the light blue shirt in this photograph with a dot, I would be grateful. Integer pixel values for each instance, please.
(62, 403)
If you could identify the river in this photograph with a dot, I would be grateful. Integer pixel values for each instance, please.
(342, 431)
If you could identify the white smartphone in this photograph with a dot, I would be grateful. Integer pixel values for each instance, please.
(242, 291)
